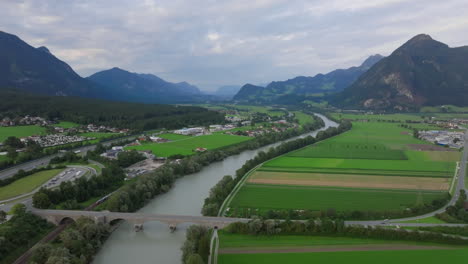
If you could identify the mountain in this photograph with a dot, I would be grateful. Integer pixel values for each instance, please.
(148, 88)
(320, 84)
(249, 92)
(227, 91)
(37, 70)
(421, 72)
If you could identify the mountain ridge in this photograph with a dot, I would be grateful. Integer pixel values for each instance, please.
(331, 82)
(422, 71)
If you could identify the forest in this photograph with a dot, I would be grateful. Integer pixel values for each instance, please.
(115, 114)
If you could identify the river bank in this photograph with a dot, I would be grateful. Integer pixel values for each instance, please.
(155, 244)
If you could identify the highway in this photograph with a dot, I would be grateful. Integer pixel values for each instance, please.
(29, 165)
(460, 186)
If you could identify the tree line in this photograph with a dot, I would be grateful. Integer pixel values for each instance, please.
(225, 186)
(456, 213)
(78, 243)
(196, 248)
(19, 233)
(337, 227)
(135, 195)
(133, 116)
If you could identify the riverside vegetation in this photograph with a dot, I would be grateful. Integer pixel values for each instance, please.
(136, 194)
(223, 188)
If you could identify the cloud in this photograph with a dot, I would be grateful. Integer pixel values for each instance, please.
(215, 42)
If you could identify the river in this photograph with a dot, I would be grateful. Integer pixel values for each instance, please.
(155, 244)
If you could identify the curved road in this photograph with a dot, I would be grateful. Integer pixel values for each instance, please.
(29, 165)
(460, 186)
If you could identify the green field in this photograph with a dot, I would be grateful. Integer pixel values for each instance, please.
(228, 240)
(265, 197)
(351, 150)
(66, 124)
(358, 257)
(428, 220)
(364, 255)
(303, 118)
(188, 145)
(368, 149)
(173, 137)
(383, 117)
(20, 131)
(27, 184)
(98, 135)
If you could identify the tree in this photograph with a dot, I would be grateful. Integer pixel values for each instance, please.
(3, 216)
(13, 142)
(41, 253)
(11, 153)
(18, 209)
(41, 200)
(195, 259)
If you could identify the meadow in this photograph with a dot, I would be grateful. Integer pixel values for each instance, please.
(229, 240)
(372, 167)
(27, 184)
(331, 250)
(66, 124)
(98, 135)
(173, 137)
(188, 145)
(358, 257)
(20, 131)
(303, 118)
(267, 197)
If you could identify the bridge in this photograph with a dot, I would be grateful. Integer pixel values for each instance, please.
(137, 219)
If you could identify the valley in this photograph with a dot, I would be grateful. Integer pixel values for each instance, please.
(233, 132)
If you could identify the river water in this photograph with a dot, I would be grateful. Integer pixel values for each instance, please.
(156, 244)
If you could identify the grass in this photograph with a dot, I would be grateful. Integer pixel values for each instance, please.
(352, 171)
(389, 165)
(20, 131)
(228, 240)
(350, 151)
(27, 184)
(187, 146)
(97, 135)
(266, 197)
(303, 118)
(66, 124)
(382, 117)
(173, 137)
(3, 158)
(351, 180)
(358, 257)
(428, 220)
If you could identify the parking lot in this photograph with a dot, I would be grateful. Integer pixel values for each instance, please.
(69, 174)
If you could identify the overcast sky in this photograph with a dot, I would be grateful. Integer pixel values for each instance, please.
(212, 43)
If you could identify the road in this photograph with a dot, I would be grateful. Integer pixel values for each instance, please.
(10, 172)
(72, 173)
(460, 186)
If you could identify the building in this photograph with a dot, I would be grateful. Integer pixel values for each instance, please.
(189, 131)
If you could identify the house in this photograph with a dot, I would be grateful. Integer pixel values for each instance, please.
(112, 153)
(189, 131)
(200, 149)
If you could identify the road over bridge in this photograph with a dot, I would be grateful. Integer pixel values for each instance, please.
(137, 219)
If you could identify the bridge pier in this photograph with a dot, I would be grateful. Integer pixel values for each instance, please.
(138, 227)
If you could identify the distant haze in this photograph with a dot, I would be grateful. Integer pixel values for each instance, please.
(216, 43)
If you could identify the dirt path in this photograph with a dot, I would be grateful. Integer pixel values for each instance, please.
(387, 247)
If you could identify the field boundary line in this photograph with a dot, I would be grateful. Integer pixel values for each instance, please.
(454, 178)
(227, 201)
